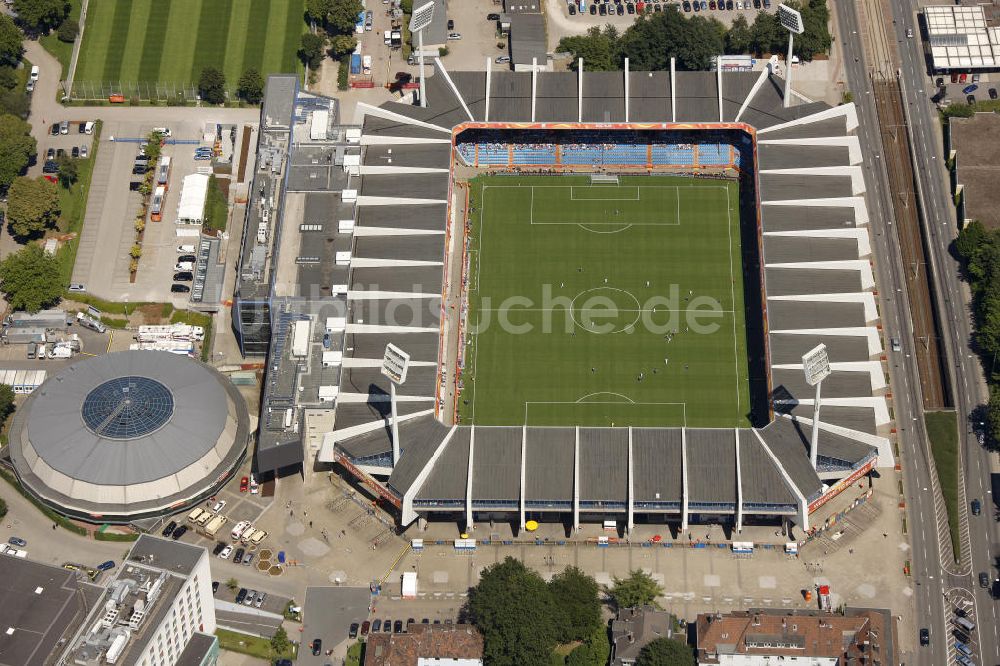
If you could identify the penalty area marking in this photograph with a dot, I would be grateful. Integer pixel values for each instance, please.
(583, 401)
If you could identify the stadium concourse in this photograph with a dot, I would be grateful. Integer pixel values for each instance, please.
(816, 272)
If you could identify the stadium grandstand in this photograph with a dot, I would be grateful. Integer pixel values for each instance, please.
(803, 167)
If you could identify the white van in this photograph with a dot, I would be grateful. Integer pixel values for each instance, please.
(240, 529)
(34, 72)
(89, 127)
(185, 249)
(184, 266)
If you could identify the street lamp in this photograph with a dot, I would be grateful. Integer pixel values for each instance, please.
(816, 365)
(420, 19)
(791, 19)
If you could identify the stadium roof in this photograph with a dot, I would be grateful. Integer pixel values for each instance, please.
(819, 286)
(128, 432)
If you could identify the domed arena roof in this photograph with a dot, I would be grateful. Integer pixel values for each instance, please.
(128, 435)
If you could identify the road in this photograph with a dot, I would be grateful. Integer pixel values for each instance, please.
(928, 589)
(969, 391)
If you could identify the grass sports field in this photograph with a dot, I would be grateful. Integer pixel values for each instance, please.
(170, 41)
(600, 304)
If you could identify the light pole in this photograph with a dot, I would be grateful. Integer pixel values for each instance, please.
(816, 365)
(420, 19)
(394, 365)
(792, 20)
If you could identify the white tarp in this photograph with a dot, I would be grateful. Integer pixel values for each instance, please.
(191, 209)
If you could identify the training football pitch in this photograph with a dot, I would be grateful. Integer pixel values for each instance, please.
(596, 304)
(170, 41)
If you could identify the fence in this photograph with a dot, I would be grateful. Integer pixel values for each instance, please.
(141, 91)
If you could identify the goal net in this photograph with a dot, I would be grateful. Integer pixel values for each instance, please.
(603, 179)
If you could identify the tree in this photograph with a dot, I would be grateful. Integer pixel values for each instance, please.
(739, 38)
(69, 171)
(68, 30)
(666, 652)
(766, 34)
(16, 103)
(8, 77)
(17, 147)
(10, 42)
(30, 279)
(343, 15)
(341, 45)
(594, 651)
(6, 403)
(3, 506)
(233, 584)
(279, 642)
(816, 39)
(212, 85)
(513, 609)
(251, 86)
(599, 49)
(32, 206)
(311, 50)
(318, 10)
(41, 15)
(635, 590)
(576, 594)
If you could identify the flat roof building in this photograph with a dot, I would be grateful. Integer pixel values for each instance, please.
(426, 644)
(960, 38)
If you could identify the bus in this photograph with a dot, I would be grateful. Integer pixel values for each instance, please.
(163, 171)
(156, 208)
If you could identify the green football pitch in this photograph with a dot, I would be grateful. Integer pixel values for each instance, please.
(602, 304)
(171, 41)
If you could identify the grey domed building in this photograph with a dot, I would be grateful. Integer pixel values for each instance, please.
(129, 435)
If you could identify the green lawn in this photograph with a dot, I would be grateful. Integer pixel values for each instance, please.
(605, 304)
(942, 430)
(251, 645)
(171, 41)
(63, 51)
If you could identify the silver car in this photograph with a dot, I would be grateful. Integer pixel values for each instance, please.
(250, 597)
(259, 599)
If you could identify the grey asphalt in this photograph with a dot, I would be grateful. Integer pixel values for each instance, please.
(327, 614)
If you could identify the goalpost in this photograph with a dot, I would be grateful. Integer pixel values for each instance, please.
(603, 179)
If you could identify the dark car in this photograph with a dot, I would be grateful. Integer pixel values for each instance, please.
(138, 169)
(75, 152)
(238, 556)
(630, 8)
(939, 81)
(397, 627)
(365, 627)
(976, 507)
(376, 625)
(106, 566)
(81, 128)
(186, 257)
(925, 636)
(169, 529)
(572, 10)
(17, 541)
(971, 99)
(593, 9)
(687, 5)
(50, 154)
(621, 10)
(283, 662)
(451, 24)
(179, 532)
(60, 152)
(353, 631)
(386, 625)
(215, 586)
(219, 547)
(50, 167)
(425, 621)
(183, 276)
(970, 89)
(993, 93)
(492, 17)
(317, 646)
(241, 595)
(602, 10)
(54, 130)
(179, 289)
(711, 4)
(984, 579)
(409, 621)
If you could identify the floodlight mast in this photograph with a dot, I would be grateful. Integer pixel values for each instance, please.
(816, 365)
(420, 19)
(395, 363)
(792, 20)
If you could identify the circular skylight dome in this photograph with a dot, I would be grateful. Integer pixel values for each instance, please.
(127, 407)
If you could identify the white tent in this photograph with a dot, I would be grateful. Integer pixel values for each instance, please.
(191, 209)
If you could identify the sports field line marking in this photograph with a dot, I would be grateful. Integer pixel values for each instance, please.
(596, 309)
(590, 395)
(732, 294)
(572, 193)
(631, 403)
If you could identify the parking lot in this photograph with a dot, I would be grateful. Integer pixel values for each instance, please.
(622, 13)
(74, 143)
(327, 615)
(102, 263)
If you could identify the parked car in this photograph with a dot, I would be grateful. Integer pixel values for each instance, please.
(169, 529)
(75, 152)
(258, 600)
(221, 504)
(54, 130)
(247, 559)
(970, 89)
(50, 154)
(984, 579)
(317, 646)
(376, 625)
(238, 556)
(386, 626)
(909, 33)
(64, 127)
(249, 599)
(241, 595)
(81, 128)
(502, 60)
(572, 10)
(971, 99)
(106, 566)
(215, 586)
(397, 627)
(244, 482)
(186, 257)
(225, 553)
(365, 626)
(352, 632)
(219, 547)
(84, 152)
(77, 286)
(179, 532)
(162, 131)
(179, 289)
(454, 36)
(17, 541)
(593, 10)
(492, 17)
(451, 24)
(993, 93)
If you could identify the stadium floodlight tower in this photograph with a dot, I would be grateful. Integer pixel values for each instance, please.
(394, 366)
(791, 19)
(420, 19)
(816, 364)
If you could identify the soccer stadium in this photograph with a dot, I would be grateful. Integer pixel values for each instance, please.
(605, 283)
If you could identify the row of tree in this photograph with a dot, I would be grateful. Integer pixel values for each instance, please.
(212, 86)
(523, 619)
(979, 250)
(334, 22)
(654, 39)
